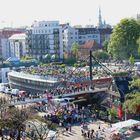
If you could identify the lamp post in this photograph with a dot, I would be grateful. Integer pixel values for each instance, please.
(90, 68)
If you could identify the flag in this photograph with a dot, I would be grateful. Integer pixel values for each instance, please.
(48, 95)
(120, 112)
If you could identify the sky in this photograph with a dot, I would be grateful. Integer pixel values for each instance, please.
(17, 13)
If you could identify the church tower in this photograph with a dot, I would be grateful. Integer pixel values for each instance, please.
(100, 24)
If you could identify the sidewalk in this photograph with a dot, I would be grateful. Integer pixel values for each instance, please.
(76, 131)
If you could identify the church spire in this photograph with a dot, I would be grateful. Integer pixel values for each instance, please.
(100, 18)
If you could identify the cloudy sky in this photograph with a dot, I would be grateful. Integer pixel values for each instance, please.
(24, 12)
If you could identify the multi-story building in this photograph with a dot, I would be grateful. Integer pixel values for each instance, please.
(70, 35)
(4, 42)
(45, 37)
(104, 34)
(85, 34)
(18, 45)
(78, 35)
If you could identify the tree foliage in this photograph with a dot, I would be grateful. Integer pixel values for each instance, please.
(101, 55)
(138, 42)
(105, 45)
(132, 103)
(112, 112)
(123, 40)
(131, 60)
(74, 50)
(14, 119)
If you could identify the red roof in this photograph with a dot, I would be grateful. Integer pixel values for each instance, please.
(90, 44)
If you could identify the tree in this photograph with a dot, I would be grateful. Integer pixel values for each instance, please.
(132, 103)
(38, 128)
(105, 45)
(74, 50)
(132, 100)
(101, 55)
(3, 103)
(15, 119)
(138, 42)
(112, 113)
(27, 57)
(123, 40)
(131, 60)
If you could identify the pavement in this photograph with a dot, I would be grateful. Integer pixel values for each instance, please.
(75, 134)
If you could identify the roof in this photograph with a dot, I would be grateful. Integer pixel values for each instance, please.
(90, 44)
(105, 30)
(87, 31)
(63, 25)
(20, 36)
(35, 78)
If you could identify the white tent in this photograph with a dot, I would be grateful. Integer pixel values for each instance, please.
(52, 134)
(137, 64)
(127, 123)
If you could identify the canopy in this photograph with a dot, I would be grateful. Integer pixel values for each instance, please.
(137, 64)
(53, 56)
(127, 123)
(51, 134)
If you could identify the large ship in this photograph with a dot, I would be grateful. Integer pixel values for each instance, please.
(39, 84)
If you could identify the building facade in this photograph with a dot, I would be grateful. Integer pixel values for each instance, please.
(69, 35)
(43, 38)
(78, 35)
(4, 41)
(85, 34)
(104, 34)
(18, 45)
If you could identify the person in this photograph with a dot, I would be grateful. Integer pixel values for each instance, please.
(67, 128)
(96, 134)
(99, 127)
(91, 134)
(88, 133)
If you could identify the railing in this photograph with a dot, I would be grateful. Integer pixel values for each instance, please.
(23, 100)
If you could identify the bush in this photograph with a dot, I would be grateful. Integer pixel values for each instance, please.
(70, 61)
(120, 74)
(101, 55)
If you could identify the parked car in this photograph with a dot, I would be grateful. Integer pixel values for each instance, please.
(62, 101)
(7, 90)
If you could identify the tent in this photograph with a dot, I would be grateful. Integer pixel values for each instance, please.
(127, 123)
(52, 134)
(137, 64)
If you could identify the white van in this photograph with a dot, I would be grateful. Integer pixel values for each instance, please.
(7, 90)
(15, 92)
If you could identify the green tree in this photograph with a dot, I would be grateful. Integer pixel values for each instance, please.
(138, 42)
(105, 45)
(101, 55)
(123, 40)
(74, 50)
(112, 113)
(131, 60)
(132, 103)
(135, 83)
(27, 57)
